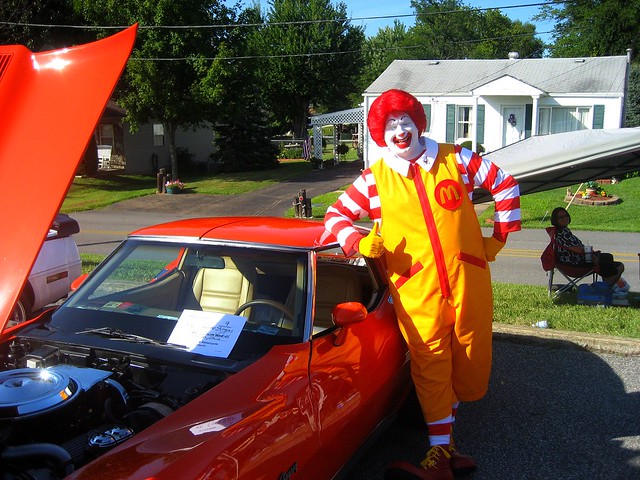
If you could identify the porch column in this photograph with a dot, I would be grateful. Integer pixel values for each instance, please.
(336, 142)
(317, 141)
(534, 116)
(474, 124)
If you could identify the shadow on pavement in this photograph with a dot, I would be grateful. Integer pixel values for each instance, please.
(553, 411)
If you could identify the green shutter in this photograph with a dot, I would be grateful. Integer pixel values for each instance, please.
(598, 116)
(451, 124)
(528, 119)
(427, 113)
(480, 130)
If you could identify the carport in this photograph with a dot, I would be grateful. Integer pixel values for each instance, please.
(354, 116)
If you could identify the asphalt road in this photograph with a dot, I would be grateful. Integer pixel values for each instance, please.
(554, 410)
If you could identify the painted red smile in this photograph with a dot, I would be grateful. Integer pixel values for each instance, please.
(404, 142)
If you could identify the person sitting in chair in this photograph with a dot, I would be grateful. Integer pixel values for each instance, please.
(570, 250)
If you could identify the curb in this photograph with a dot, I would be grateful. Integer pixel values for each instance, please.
(567, 339)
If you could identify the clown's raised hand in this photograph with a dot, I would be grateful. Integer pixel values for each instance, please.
(372, 245)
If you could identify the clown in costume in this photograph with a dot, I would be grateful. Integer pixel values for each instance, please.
(419, 197)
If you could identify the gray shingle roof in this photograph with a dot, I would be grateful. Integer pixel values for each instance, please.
(603, 75)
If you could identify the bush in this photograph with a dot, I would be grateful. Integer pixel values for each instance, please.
(291, 152)
(468, 145)
(342, 149)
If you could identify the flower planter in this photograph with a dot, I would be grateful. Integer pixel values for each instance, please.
(173, 191)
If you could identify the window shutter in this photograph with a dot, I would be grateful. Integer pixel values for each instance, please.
(598, 116)
(451, 124)
(480, 129)
(427, 113)
(528, 119)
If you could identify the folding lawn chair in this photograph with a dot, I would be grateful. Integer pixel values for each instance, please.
(572, 274)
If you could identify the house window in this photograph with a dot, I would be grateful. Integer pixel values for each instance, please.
(105, 135)
(463, 122)
(562, 119)
(158, 135)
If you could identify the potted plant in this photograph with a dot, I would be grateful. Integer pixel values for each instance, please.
(342, 150)
(592, 188)
(174, 186)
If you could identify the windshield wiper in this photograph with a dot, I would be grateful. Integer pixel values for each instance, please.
(117, 334)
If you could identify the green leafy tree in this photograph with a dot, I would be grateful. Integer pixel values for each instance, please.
(593, 27)
(307, 65)
(164, 79)
(33, 23)
(633, 97)
(379, 51)
(449, 29)
(242, 124)
(446, 29)
(500, 35)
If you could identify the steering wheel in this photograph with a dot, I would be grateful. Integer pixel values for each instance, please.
(288, 314)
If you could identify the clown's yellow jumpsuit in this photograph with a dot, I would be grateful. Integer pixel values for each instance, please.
(436, 262)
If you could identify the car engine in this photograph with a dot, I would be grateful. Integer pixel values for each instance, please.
(61, 405)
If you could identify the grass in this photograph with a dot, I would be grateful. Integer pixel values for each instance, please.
(88, 193)
(624, 217)
(527, 304)
(514, 304)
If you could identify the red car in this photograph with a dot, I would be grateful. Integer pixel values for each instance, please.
(220, 348)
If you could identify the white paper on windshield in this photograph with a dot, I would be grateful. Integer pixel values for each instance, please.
(207, 333)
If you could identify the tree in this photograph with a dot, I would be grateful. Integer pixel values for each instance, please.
(164, 79)
(501, 35)
(32, 23)
(448, 29)
(379, 51)
(312, 64)
(633, 97)
(242, 131)
(445, 29)
(593, 27)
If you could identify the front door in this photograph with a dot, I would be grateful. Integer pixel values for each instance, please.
(512, 124)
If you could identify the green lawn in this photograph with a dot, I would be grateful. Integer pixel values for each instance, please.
(624, 217)
(89, 193)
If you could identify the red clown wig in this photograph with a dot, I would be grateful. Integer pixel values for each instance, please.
(394, 101)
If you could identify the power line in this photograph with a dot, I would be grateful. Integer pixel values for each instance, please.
(266, 24)
(317, 54)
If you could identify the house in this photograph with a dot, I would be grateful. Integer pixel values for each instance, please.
(146, 150)
(494, 103)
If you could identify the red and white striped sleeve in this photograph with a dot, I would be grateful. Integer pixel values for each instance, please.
(358, 201)
(481, 172)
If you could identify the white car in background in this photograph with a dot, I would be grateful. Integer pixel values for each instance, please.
(57, 265)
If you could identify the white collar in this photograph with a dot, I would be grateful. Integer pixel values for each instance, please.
(426, 160)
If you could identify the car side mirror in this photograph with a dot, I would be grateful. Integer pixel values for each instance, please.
(344, 315)
(78, 281)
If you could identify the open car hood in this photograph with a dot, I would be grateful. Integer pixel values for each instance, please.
(51, 103)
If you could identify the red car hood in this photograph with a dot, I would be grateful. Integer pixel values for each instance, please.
(51, 103)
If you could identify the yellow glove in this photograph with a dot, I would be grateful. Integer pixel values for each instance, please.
(491, 247)
(372, 245)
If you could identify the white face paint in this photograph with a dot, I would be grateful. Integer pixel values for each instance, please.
(402, 136)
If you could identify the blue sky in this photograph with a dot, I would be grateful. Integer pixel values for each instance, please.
(402, 10)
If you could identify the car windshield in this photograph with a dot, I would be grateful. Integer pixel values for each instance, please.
(218, 301)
